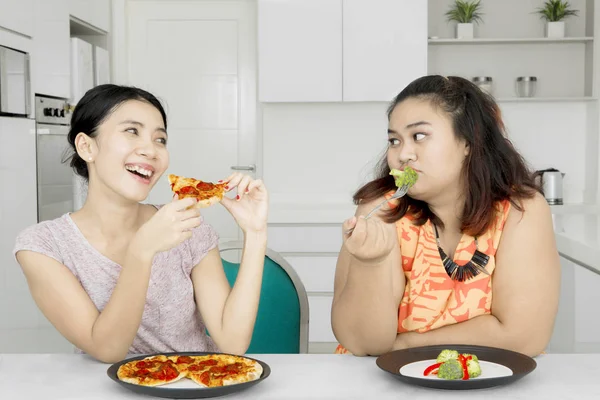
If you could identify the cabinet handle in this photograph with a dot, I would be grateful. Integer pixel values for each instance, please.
(250, 167)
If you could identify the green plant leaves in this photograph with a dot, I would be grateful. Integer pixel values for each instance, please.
(465, 12)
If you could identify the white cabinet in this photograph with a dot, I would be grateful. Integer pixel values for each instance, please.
(94, 12)
(577, 327)
(51, 70)
(17, 170)
(339, 50)
(82, 68)
(385, 47)
(587, 323)
(17, 15)
(300, 50)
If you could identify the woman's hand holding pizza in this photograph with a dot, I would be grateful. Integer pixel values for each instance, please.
(250, 206)
(170, 226)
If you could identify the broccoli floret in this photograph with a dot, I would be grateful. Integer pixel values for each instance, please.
(473, 356)
(473, 367)
(446, 355)
(450, 370)
(407, 177)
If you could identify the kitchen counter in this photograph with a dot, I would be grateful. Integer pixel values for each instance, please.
(578, 238)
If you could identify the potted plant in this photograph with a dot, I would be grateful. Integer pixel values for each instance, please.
(553, 12)
(465, 13)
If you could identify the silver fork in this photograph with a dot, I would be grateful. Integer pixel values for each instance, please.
(399, 193)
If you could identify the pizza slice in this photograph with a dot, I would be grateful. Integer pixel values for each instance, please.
(224, 370)
(205, 193)
(151, 371)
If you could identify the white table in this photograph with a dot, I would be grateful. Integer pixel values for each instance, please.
(71, 376)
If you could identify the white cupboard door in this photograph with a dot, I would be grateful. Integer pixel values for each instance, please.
(198, 58)
(82, 68)
(299, 50)
(52, 70)
(17, 15)
(101, 66)
(385, 47)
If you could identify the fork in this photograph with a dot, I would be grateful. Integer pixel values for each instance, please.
(399, 193)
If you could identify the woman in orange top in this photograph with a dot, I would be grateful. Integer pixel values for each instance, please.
(468, 255)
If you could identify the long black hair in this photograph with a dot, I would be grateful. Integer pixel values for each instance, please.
(493, 170)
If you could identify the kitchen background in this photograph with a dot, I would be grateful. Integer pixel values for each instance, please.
(296, 92)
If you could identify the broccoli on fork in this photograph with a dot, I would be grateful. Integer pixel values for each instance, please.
(406, 177)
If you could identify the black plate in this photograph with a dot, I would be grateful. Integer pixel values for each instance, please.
(184, 393)
(520, 365)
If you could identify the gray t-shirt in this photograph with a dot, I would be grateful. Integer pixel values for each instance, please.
(171, 321)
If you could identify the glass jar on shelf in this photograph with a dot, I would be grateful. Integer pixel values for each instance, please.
(485, 83)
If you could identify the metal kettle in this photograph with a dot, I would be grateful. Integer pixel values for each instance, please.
(551, 182)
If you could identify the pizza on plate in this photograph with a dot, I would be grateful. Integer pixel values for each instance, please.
(205, 193)
(207, 371)
(151, 371)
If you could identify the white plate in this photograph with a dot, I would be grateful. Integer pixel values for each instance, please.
(488, 370)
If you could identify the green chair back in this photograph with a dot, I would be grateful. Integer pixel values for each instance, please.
(278, 322)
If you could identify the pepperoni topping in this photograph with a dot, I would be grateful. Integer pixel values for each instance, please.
(141, 364)
(188, 190)
(207, 362)
(205, 378)
(185, 360)
(205, 186)
(170, 372)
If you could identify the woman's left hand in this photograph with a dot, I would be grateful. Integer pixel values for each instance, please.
(250, 206)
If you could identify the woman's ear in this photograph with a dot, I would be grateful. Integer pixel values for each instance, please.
(86, 147)
(467, 149)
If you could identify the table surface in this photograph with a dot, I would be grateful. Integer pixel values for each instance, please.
(320, 376)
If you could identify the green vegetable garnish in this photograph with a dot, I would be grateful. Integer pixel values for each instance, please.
(451, 365)
(450, 370)
(407, 177)
(446, 355)
(473, 367)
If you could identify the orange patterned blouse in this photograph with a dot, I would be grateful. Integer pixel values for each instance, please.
(431, 298)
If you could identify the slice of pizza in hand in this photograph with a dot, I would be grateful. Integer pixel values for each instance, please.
(151, 371)
(205, 193)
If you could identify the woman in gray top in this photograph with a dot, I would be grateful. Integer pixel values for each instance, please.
(118, 276)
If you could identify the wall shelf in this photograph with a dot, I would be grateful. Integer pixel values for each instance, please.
(545, 99)
(484, 41)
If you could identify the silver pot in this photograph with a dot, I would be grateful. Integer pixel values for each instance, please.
(525, 86)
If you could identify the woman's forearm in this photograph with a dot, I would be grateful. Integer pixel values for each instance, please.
(115, 328)
(241, 306)
(364, 315)
(484, 330)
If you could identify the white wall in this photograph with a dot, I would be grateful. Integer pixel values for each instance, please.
(323, 152)
(553, 135)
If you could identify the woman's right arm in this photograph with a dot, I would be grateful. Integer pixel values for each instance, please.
(368, 286)
(105, 335)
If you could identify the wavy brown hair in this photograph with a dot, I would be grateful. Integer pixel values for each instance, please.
(493, 170)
